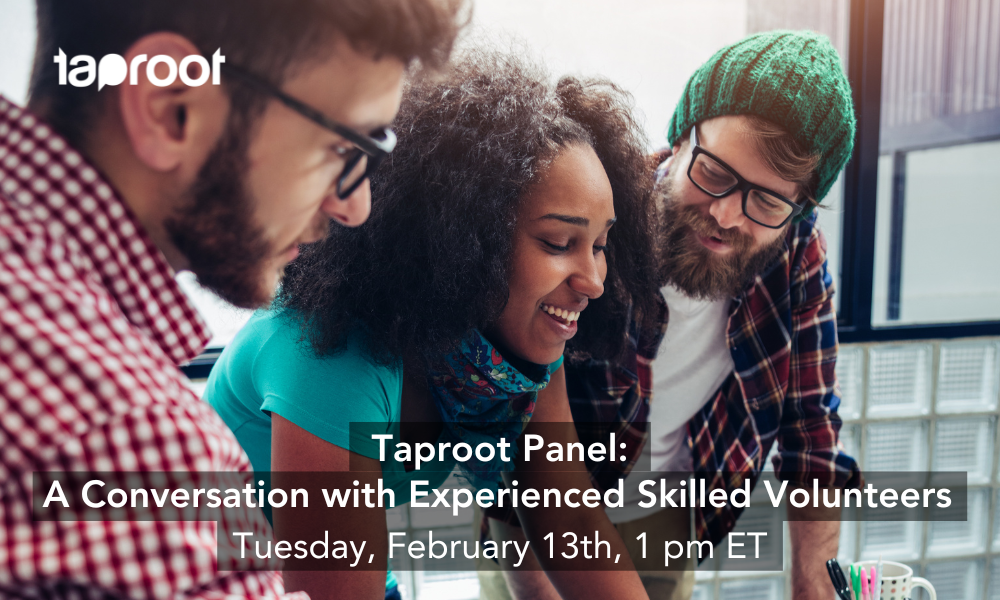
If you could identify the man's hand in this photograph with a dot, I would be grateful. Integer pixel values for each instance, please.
(813, 543)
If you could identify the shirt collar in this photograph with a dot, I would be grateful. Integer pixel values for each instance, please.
(53, 186)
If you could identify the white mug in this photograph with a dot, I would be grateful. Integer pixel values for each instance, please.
(898, 580)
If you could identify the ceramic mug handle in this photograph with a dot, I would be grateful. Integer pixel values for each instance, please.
(921, 582)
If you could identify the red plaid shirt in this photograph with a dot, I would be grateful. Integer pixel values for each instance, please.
(92, 328)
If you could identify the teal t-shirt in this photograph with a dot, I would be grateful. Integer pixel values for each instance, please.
(270, 368)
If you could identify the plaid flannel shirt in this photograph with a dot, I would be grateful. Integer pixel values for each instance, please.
(782, 334)
(92, 328)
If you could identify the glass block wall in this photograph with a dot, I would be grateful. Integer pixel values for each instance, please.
(913, 406)
(906, 406)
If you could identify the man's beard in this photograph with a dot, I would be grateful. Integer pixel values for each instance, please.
(694, 269)
(214, 229)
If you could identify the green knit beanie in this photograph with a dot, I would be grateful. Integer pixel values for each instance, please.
(792, 78)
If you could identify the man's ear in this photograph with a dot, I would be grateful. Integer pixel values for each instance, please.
(172, 127)
(674, 151)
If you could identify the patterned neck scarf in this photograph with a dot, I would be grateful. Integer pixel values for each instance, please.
(482, 398)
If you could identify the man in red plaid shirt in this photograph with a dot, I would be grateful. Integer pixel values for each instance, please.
(747, 360)
(107, 190)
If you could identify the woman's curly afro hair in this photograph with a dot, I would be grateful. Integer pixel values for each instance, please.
(432, 260)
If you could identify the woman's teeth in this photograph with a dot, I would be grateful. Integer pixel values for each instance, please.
(566, 315)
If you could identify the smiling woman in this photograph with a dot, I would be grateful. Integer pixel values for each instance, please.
(510, 222)
(475, 147)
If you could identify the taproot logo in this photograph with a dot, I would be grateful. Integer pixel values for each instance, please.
(112, 69)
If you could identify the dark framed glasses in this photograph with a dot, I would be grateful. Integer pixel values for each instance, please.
(717, 179)
(360, 163)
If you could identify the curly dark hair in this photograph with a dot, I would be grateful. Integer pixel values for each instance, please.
(432, 261)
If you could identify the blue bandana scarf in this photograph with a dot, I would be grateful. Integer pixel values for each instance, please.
(482, 398)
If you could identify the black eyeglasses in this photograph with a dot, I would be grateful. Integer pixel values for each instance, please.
(717, 179)
(359, 163)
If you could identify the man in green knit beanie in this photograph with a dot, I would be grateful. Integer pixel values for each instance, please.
(745, 368)
(746, 365)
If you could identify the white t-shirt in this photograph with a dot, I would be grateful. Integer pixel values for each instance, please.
(692, 362)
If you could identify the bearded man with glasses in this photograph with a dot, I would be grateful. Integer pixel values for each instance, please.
(106, 191)
(747, 359)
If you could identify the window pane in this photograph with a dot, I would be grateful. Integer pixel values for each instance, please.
(968, 377)
(954, 538)
(897, 446)
(939, 146)
(17, 30)
(965, 444)
(994, 592)
(958, 580)
(900, 540)
(850, 362)
(899, 380)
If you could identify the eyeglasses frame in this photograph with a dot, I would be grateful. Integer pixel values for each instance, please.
(742, 184)
(375, 149)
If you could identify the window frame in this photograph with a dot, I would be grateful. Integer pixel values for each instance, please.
(854, 318)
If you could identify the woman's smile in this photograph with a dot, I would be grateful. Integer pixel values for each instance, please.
(562, 321)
